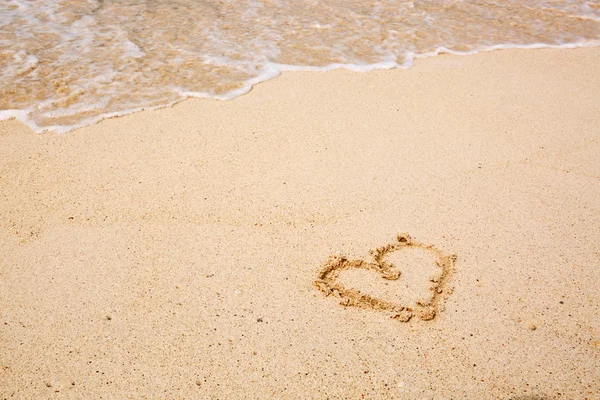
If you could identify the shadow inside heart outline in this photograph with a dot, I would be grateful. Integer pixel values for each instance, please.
(426, 310)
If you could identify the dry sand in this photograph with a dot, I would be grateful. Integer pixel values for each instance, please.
(173, 253)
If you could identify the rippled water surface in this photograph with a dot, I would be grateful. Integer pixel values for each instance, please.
(65, 63)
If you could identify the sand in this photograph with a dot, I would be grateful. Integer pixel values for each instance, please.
(174, 253)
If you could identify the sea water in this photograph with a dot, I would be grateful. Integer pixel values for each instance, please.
(68, 63)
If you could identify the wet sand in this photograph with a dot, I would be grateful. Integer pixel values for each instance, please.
(174, 253)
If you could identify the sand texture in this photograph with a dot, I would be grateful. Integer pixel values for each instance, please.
(185, 252)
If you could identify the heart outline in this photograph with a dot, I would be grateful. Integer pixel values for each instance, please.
(425, 309)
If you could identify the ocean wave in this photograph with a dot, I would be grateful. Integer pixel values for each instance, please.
(70, 63)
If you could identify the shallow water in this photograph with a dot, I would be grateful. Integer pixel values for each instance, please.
(67, 63)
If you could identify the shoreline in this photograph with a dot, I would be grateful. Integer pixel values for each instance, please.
(173, 253)
(275, 70)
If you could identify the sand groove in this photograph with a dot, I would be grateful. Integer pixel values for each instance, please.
(427, 309)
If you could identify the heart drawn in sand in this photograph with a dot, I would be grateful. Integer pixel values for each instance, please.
(426, 310)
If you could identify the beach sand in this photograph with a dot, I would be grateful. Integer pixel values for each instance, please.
(173, 253)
